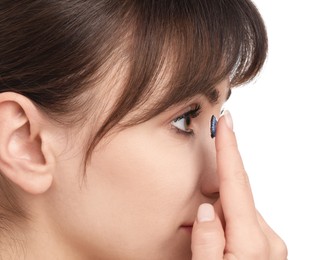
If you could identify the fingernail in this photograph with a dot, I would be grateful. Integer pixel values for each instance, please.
(205, 213)
(228, 119)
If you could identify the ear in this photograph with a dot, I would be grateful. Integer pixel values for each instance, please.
(25, 157)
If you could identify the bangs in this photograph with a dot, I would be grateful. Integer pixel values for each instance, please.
(176, 49)
(186, 48)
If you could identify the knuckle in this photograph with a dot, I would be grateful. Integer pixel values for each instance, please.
(257, 248)
(279, 249)
(241, 177)
(263, 248)
(260, 249)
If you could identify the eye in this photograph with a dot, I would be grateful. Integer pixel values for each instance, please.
(183, 122)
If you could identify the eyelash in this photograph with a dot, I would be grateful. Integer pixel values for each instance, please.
(188, 116)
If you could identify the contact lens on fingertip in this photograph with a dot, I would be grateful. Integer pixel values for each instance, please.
(213, 126)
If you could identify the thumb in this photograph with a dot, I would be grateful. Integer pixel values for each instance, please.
(208, 240)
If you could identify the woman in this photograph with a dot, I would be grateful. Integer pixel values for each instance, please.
(105, 111)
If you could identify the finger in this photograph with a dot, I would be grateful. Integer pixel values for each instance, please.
(235, 192)
(219, 212)
(207, 235)
(278, 249)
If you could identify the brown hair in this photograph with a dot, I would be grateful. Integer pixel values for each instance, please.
(54, 51)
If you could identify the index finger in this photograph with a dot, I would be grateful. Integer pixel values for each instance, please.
(235, 191)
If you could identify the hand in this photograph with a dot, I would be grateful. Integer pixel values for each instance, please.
(240, 233)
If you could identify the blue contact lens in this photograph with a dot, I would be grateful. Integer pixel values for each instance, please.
(213, 126)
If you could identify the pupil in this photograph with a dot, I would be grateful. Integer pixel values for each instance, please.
(188, 121)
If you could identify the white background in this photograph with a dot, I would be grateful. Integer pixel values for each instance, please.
(272, 125)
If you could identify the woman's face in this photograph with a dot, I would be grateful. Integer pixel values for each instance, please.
(142, 188)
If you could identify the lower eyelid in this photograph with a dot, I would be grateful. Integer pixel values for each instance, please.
(180, 132)
(183, 133)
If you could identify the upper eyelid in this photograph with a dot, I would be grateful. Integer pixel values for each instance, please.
(183, 115)
(194, 110)
(179, 109)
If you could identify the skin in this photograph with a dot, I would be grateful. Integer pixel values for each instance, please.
(141, 192)
(233, 228)
(142, 188)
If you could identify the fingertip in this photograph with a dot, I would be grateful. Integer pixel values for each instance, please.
(228, 119)
(225, 123)
(224, 130)
(208, 235)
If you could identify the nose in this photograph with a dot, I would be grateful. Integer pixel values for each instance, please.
(209, 181)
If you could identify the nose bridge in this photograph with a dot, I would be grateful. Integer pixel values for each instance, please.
(209, 181)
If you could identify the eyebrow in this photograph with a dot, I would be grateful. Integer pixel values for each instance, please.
(214, 96)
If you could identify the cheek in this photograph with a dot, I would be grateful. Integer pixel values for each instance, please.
(149, 180)
(147, 170)
(139, 188)
(142, 188)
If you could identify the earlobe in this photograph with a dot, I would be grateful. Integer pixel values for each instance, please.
(24, 156)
